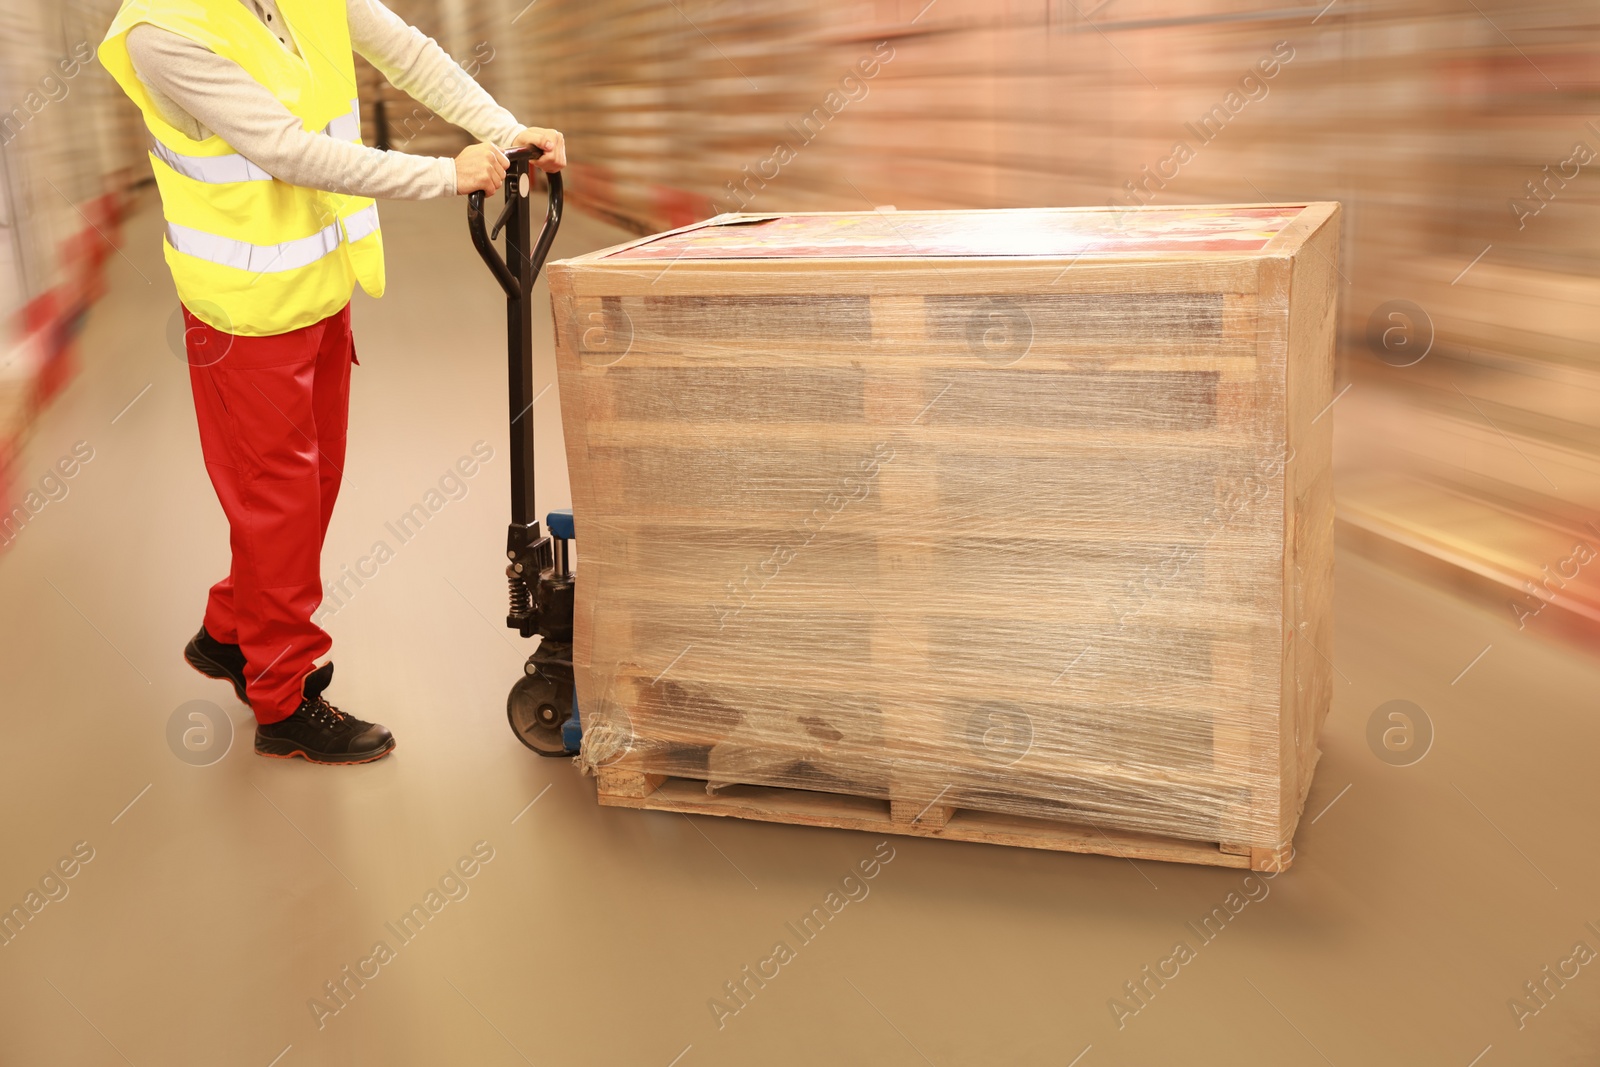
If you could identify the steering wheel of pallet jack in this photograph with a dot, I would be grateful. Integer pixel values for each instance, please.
(537, 708)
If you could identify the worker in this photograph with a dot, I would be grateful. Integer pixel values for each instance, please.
(270, 223)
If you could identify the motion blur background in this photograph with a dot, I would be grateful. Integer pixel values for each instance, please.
(1461, 137)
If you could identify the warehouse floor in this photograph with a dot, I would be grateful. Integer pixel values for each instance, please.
(210, 904)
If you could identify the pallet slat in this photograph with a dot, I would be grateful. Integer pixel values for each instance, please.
(804, 808)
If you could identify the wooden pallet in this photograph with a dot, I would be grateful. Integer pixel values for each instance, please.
(802, 807)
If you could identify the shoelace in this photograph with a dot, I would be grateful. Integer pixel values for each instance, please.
(326, 713)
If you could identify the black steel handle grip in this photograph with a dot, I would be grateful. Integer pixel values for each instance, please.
(480, 240)
(552, 217)
(520, 157)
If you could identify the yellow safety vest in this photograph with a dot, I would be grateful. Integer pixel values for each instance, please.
(250, 254)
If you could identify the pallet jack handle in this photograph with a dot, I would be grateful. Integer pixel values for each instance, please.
(516, 272)
(518, 182)
(542, 705)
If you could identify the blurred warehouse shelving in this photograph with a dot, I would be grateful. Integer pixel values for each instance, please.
(70, 149)
(1455, 134)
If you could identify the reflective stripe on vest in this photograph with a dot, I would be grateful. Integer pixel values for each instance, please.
(232, 167)
(218, 170)
(362, 224)
(346, 127)
(272, 259)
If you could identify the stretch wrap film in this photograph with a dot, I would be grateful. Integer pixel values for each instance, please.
(1019, 512)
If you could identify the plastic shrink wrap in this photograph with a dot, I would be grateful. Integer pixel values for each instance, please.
(1009, 526)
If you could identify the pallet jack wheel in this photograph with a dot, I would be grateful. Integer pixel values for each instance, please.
(537, 708)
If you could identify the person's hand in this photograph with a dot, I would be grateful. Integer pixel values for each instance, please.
(480, 168)
(554, 145)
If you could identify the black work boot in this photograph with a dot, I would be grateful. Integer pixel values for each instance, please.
(217, 659)
(322, 733)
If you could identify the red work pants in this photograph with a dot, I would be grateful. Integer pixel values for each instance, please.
(272, 414)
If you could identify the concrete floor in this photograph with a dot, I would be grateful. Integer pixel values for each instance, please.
(220, 898)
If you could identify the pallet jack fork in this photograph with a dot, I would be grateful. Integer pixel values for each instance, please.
(543, 704)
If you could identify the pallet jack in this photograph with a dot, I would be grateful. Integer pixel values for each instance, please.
(543, 703)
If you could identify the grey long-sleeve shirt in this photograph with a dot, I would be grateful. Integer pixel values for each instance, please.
(200, 93)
